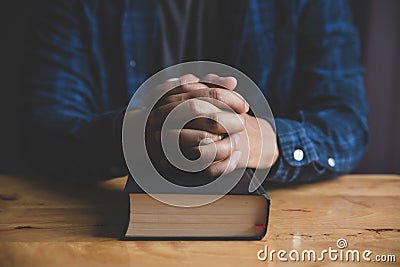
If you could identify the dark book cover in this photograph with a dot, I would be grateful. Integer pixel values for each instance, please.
(241, 188)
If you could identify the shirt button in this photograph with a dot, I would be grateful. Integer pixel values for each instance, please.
(331, 162)
(298, 155)
(132, 63)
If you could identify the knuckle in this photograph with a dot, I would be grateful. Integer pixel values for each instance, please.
(210, 171)
(187, 78)
(214, 93)
(214, 171)
(187, 87)
(170, 99)
(225, 148)
(195, 106)
(193, 86)
(210, 77)
(179, 98)
(202, 135)
(214, 117)
(213, 122)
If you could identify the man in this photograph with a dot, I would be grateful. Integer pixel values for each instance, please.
(88, 58)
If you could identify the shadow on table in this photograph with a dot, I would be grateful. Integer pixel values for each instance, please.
(108, 205)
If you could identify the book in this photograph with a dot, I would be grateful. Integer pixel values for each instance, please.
(238, 215)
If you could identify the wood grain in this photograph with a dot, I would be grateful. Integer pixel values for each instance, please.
(44, 223)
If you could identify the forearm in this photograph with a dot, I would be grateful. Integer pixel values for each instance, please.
(78, 148)
(324, 132)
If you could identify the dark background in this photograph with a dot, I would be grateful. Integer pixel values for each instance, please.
(378, 22)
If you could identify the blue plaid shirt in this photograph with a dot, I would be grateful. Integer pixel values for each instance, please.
(87, 58)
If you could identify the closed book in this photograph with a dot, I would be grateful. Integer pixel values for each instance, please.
(238, 215)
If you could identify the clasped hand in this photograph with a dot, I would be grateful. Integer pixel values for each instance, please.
(221, 132)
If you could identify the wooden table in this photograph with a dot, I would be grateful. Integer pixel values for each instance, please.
(44, 223)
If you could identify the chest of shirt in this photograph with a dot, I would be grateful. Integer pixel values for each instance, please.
(256, 37)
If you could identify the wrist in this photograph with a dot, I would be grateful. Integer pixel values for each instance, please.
(262, 146)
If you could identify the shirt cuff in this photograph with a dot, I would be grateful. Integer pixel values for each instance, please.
(296, 150)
